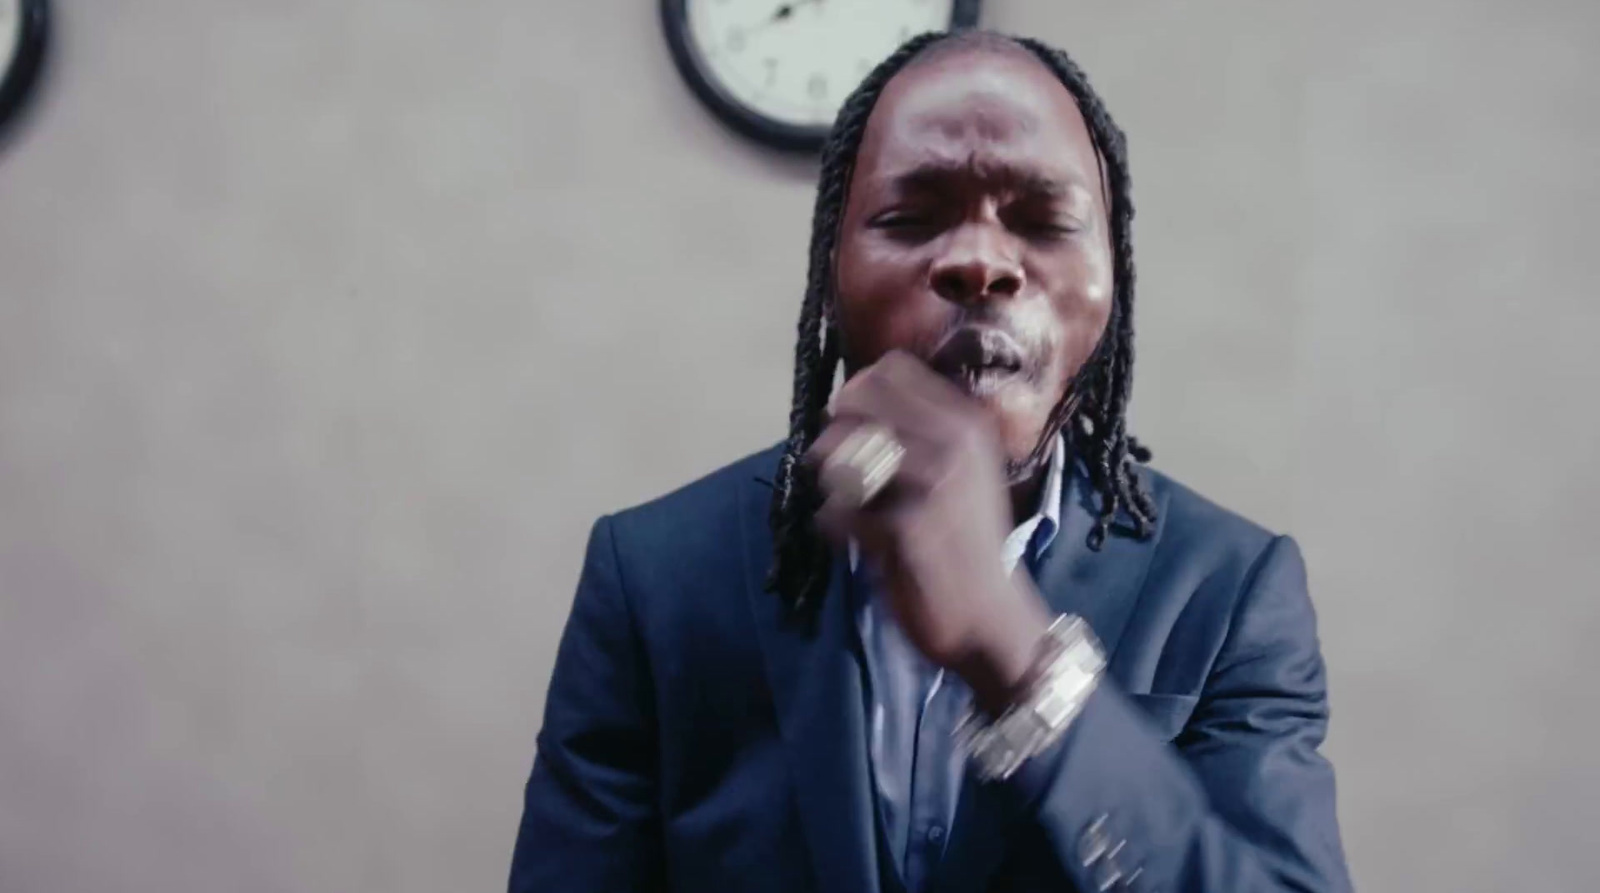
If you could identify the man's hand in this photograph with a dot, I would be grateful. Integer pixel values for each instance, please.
(936, 531)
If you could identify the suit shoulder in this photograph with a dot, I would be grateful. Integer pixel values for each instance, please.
(703, 514)
(1209, 564)
(707, 491)
(1192, 518)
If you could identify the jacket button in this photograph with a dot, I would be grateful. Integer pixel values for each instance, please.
(1093, 844)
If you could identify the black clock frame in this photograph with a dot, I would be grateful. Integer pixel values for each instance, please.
(17, 81)
(740, 117)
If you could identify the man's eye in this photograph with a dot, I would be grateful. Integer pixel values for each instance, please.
(1060, 229)
(1049, 228)
(902, 220)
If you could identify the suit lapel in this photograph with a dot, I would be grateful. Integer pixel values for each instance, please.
(816, 690)
(1101, 587)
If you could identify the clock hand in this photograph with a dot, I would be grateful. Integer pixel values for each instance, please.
(782, 14)
(787, 9)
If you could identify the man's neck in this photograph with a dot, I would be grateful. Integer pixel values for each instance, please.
(1028, 490)
(1025, 495)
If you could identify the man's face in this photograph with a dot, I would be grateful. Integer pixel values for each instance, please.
(975, 235)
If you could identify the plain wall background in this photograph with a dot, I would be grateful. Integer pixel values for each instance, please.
(326, 330)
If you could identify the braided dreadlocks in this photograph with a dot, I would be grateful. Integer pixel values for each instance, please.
(1092, 414)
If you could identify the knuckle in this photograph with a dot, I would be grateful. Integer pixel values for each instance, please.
(968, 435)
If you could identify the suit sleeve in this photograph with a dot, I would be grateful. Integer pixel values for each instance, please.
(1242, 801)
(589, 819)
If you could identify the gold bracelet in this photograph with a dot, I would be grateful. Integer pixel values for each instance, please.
(1072, 663)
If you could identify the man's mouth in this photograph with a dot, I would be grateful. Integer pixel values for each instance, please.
(980, 359)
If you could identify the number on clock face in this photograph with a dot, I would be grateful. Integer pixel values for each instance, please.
(796, 60)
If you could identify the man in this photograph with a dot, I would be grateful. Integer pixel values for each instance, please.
(949, 636)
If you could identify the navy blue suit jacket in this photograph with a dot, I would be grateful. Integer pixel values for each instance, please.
(694, 740)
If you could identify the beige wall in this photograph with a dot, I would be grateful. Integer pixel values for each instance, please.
(327, 328)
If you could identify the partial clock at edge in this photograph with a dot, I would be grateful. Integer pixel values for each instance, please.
(23, 26)
(776, 71)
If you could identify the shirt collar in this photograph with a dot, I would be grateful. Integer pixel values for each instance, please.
(1034, 535)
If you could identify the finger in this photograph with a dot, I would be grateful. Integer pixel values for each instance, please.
(871, 395)
(919, 466)
(836, 518)
(951, 417)
(871, 527)
(901, 391)
(834, 433)
(917, 377)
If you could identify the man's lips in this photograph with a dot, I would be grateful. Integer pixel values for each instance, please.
(974, 355)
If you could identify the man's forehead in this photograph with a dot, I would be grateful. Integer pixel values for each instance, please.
(1000, 107)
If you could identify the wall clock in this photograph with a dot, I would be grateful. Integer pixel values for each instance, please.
(22, 38)
(778, 70)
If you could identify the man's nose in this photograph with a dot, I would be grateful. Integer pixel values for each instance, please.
(980, 263)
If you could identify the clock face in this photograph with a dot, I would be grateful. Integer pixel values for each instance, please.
(796, 60)
(791, 63)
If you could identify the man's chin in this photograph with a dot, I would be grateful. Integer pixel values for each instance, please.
(994, 386)
(1009, 398)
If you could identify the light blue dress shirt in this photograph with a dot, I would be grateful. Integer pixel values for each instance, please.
(913, 706)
